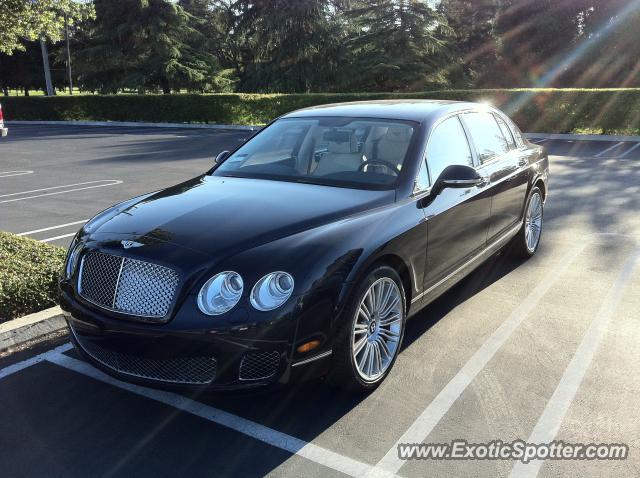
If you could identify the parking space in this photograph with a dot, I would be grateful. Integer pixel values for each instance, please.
(628, 150)
(53, 178)
(540, 350)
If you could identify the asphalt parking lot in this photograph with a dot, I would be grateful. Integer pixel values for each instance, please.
(541, 350)
(54, 178)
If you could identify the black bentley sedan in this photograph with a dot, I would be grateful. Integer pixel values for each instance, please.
(303, 252)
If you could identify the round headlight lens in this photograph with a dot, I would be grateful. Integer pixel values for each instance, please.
(220, 293)
(272, 291)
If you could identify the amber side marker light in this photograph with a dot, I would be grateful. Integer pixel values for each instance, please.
(309, 346)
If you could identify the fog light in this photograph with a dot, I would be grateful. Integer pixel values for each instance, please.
(307, 347)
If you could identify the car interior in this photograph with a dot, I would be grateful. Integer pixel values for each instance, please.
(351, 150)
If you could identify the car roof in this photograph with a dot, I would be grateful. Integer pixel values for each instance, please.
(409, 109)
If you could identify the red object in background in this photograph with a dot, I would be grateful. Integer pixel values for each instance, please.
(3, 131)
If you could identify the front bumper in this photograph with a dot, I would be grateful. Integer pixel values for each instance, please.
(166, 355)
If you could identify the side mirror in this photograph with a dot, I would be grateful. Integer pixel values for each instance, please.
(458, 176)
(222, 155)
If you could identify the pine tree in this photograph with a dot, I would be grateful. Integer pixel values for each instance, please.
(399, 45)
(283, 45)
(473, 40)
(534, 37)
(144, 45)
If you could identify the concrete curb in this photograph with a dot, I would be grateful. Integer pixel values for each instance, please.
(136, 124)
(30, 328)
(581, 137)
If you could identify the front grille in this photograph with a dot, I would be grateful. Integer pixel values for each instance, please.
(127, 285)
(184, 370)
(259, 365)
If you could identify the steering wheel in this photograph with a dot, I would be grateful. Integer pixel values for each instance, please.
(387, 164)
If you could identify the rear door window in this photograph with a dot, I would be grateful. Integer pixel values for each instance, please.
(517, 134)
(486, 134)
(506, 132)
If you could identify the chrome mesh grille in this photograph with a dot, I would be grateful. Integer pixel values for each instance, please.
(185, 370)
(127, 285)
(99, 277)
(259, 365)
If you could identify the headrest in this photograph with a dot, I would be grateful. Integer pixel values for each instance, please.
(398, 134)
(377, 132)
(341, 141)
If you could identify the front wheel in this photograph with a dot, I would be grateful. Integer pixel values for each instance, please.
(369, 338)
(526, 242)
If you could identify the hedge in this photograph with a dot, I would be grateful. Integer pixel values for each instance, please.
(608, 111)
(28, 275)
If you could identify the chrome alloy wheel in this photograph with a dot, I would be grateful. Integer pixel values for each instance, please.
(533, 221)
(377, 329)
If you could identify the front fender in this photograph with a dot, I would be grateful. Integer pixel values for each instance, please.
(327, 262)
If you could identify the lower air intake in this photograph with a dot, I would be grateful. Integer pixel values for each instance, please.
(183, 370)
(259, 365)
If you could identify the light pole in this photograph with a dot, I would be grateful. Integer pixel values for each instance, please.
(66, 39)
(45, 65)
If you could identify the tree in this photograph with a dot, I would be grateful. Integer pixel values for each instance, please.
(22, 20)
(473, 40)
(398, 45)
(22, 70)
(144, 45)
(209, 19)
(280, 45)
(607, 45)
(534, 36)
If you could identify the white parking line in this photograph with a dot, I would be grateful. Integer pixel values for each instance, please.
(55, 238)
(608, 149)
(8, 174)
(16, 367)
(629, 150)
(106, 182)
(293, 445)
(431, 416)
(35, 231)
(549, 423)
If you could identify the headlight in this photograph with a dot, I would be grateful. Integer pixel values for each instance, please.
(72, 258)
(220, 293)
(272, 291)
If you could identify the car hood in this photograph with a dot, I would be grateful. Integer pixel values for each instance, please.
(222, 215)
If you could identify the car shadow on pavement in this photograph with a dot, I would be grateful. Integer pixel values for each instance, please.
(492, 270)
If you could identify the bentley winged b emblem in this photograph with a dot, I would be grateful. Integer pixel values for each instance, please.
(130, 244)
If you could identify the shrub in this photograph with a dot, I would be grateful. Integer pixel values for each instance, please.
(535, 110)
(28, 275)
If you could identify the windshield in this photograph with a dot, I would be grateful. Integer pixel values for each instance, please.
(348, 152)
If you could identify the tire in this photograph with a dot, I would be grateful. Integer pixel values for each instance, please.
(364, 370)
(526, 242)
